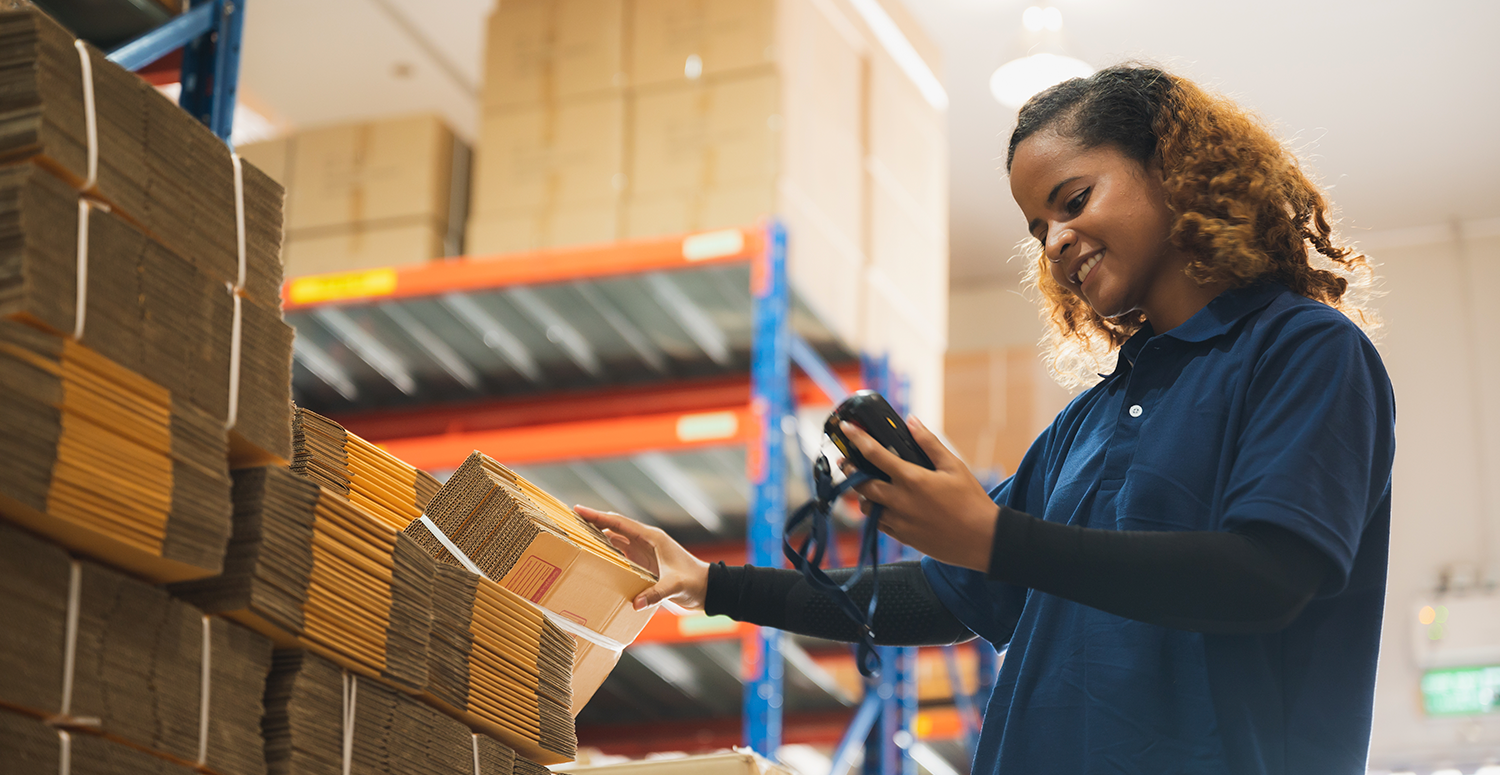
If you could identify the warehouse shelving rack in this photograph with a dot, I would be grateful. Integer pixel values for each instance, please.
(208, 36)
(375, 347)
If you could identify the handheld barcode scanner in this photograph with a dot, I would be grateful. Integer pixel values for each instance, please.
(869, 410)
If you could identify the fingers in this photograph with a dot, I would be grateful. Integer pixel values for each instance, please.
(937, 452)
(664, 589)
(618, 523)
(883, 458)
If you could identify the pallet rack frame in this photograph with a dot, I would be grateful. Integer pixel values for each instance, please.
(209, 34)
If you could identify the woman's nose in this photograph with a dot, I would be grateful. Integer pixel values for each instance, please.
(1057, 242)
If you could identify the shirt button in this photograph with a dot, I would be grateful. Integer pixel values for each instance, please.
(1135, 410)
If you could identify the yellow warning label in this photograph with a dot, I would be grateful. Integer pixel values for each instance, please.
(319, 288)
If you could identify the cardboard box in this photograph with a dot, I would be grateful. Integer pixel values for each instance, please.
(543, 50)
(372, 171)
(724, 35)
(560, 153)
(364, 246)
(707, 134)
(534, 228)
(710, 208)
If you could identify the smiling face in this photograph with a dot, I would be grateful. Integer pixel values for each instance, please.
(1103, 221)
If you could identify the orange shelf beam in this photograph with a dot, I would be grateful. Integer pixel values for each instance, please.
(477, 273)
(579, 440)
(699, 395)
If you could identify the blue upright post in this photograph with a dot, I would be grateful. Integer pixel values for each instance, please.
(770, 397)
(906, 658)
(211, 68)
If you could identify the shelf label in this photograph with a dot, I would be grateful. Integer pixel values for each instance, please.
(698, 625)
(707, 426)
(713, 244)
(317, 289)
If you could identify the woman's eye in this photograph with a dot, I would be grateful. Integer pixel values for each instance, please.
(1075, 205)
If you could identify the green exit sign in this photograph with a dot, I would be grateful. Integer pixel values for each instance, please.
(1461, 691)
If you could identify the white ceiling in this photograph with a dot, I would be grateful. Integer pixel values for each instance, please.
(1392, 104)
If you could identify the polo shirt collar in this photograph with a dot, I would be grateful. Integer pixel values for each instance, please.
(1213, 320)
(1224, 311)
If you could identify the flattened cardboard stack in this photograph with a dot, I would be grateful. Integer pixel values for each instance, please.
(33, 747)
(310, 569)
(107, 462)
(531, 544)
(306, 567)
(496, 656)
(321, 719)
(159, 260)
(138, 661)
(367, 475)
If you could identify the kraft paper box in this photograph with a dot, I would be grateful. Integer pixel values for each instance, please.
(365, 246)
(737, 762)
(724, 35)
(541, 50)
(705, 135)
(543, 227)
(561, 153)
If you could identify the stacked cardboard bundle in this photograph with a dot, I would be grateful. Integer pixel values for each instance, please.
(528, 542)
(320, 718)
(155, 163)
(308, 568)
(304, 565)
(33, 747)
(160, 247)
(367, 475)
(389, 192)
(104, 653)
(496, 656)
(107, 462)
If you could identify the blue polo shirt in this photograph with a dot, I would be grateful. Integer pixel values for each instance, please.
(1263, 407)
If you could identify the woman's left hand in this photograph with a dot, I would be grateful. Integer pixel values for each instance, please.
(945, 514)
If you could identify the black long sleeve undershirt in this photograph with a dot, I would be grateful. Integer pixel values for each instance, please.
(1256, 579)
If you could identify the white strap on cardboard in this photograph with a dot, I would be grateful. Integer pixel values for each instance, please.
(476, 754)
(203, 692)
(64, 715)
(563, 623)
(236, 291)
(351, 692)
(90, 118)
(64, 752)
(81, 301)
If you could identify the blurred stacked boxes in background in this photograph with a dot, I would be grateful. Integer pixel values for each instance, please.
(389, 192)
(610, 119)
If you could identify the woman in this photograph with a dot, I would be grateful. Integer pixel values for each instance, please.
(1188, 566)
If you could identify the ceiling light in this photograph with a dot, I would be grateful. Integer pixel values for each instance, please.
(1017, 80)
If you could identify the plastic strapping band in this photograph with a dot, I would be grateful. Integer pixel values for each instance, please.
(437, 532)
(90, 120)
(208, 643)
(234, 362)
(81, 302)
(351, 691)
(235, 291)
(476, 754)
(239, 217)
(563, 623)
(64, 752)
(70, 644)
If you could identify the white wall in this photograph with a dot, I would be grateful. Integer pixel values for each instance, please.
(1444, 360)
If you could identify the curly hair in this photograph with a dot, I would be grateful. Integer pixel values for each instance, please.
(1242, 206)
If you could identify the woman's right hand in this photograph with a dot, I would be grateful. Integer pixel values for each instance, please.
(681, 577)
